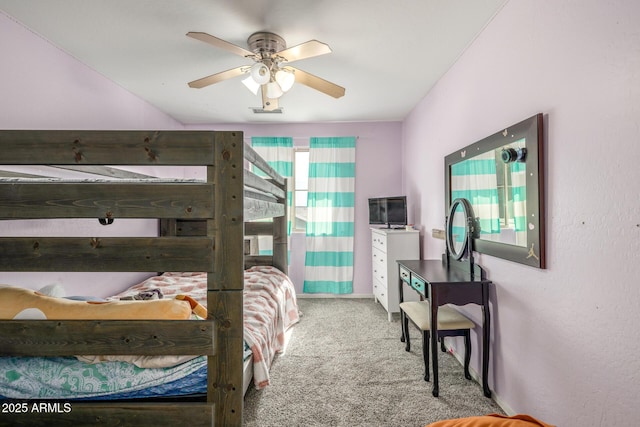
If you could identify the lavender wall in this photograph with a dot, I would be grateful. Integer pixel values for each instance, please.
(378, 173)
(44, 88)
(564, 339)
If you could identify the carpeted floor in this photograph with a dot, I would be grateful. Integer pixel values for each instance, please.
(345, 366)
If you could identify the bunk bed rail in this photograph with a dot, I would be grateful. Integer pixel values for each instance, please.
(263, 198)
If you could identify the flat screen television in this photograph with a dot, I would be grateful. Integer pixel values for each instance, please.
(388, 211)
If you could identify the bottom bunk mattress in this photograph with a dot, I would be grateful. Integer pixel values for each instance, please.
(270, 308)
(68, 378)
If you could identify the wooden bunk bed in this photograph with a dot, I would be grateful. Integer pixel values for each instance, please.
(202, 229)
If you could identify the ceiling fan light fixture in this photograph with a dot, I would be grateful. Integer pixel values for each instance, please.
(274, 91)
(251, 84)
(260, 73)
(285, 79)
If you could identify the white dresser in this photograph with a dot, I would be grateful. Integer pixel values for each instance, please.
(389, 245)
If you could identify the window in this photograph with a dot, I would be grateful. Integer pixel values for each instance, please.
(300, 188)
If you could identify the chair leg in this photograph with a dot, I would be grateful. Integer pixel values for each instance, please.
(442, 347)
(407, 339)
(467, 353)
(402, 325)
(425, 353)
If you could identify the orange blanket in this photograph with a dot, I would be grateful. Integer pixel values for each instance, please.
(492, 420)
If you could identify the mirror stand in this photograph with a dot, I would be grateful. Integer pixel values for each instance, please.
(460, 219)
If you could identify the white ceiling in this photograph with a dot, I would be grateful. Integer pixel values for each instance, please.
(386, 53)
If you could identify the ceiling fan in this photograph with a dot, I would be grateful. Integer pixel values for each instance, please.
(270, 73)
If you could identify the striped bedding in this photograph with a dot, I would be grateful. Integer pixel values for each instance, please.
(270, 308)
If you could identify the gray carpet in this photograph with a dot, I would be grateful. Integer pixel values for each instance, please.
(345, 366)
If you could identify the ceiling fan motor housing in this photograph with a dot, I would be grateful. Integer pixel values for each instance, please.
(265, 44)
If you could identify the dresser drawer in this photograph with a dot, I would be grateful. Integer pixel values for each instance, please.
(379, 241)
(380, 271)
(380, 293)
(405, 275)
(379, 257)
(418, 284)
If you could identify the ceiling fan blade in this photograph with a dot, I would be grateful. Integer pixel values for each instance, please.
(218, 77)
(222, 44)
(304, 50)
(317, 83)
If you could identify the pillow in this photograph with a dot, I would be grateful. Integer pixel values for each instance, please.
(20, 302)
(492, 420)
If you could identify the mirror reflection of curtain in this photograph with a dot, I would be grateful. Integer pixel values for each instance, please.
(475, 179)
(278, 152)
(458, 227)
(330, 222)
(519, 194)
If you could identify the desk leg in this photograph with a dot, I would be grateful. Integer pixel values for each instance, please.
(400, 301)
(434, 347)
(486, 331)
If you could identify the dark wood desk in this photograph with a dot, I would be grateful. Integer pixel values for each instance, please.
(449, 283)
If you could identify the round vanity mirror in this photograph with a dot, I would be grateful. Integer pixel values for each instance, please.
(458, 227)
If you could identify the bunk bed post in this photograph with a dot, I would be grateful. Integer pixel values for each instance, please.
(225, 285)
(280, 244)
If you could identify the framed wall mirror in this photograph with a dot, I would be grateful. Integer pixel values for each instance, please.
(502, 178)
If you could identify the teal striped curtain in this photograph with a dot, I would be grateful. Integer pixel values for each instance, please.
(475, 180)
(278, 152)
(330, 230)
